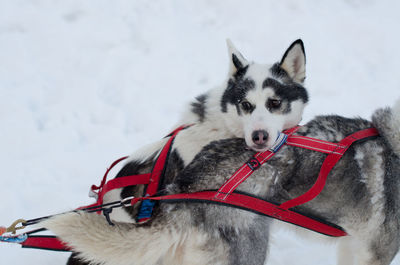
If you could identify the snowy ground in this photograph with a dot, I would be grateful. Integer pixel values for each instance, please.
(85, 82)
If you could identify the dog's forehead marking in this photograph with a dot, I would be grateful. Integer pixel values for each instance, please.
(259, 96)
(258, 73)
(290, 91)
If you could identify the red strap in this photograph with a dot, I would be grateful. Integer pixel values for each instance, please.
(255, 205)
(146, 209)
(45, 242)
(89, 206)
(151, 178)
(329, 162)
(103, 182)
(125, 181)
(158, 168)
(292, 130)
(242, 174)
(315, 144)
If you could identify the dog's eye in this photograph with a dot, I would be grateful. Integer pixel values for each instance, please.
(273, 104)
(246, 106)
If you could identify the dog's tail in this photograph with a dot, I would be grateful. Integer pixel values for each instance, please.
(387, 121)
(97, 242)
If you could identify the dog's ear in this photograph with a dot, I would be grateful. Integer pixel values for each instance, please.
(294, 61)
(236, 59)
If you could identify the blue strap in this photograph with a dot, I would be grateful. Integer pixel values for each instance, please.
(280, 141)
(146, 209)
(14, 239)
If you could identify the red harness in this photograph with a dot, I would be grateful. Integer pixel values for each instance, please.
(226, 195)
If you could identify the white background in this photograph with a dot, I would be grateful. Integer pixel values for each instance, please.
(85, 82)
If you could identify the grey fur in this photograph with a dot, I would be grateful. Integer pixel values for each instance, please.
(353, 197)
(350, 198)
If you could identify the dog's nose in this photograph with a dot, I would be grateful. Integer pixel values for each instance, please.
(259, 137)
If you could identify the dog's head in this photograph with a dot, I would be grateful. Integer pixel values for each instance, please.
(262, 100)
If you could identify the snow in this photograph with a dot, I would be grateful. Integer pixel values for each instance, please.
(85, 82)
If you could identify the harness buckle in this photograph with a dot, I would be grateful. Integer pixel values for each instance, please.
(127, 201)
(253, 163)
(13, 227)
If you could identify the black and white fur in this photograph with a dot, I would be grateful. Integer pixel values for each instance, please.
(362, 195)
(255, 103)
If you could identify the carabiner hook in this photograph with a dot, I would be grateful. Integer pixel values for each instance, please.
(13, 227)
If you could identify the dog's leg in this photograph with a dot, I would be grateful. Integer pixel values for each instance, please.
(374, 255)
(365, 254)
(376, 247)
(248, 245)
(360, 252)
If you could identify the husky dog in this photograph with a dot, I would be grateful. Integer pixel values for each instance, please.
(362, 195)
(255, 103)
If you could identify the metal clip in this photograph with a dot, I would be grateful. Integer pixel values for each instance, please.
(126, 202)
(253, 163)
(13, 227)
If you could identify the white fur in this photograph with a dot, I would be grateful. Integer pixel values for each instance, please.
(121, 245)
(215, 127)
